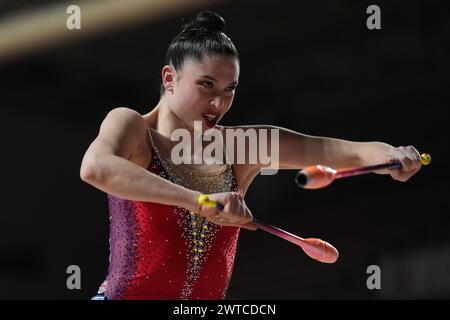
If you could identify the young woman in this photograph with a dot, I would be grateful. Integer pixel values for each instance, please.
(163, 243)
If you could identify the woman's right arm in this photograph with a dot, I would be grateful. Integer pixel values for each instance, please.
(106, 166)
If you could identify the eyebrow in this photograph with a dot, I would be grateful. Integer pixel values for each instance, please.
(215, 80)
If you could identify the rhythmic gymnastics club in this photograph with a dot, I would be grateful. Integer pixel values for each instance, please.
(315, 248)
(320, 176)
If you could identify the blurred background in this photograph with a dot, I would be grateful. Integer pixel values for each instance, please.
(311, 66)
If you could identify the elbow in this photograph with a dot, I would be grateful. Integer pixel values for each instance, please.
(91, 171)
(86, 173)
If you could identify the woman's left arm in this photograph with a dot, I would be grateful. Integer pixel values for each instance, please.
(297, 150)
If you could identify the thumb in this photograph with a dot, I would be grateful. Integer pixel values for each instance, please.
(250, 226)
(208, 211)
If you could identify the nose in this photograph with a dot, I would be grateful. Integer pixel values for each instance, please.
(217, 102)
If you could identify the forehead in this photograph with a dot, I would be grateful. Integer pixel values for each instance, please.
(223, 68)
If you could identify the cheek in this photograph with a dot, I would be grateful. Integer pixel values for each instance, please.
(193, 99)
(189, 102)
(184, 94)
(229, 100)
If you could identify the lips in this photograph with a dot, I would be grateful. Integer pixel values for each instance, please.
(211, 118)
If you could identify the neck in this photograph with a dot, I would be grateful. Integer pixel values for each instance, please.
(165, 121)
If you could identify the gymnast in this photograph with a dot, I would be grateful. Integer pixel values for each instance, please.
(164, 243)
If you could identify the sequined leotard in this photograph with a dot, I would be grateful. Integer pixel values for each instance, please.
(165, 252)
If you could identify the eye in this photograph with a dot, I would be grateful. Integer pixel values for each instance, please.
(207, 84)
(232, 88)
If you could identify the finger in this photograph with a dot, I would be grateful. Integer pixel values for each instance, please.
(412, 163)
(232, 211)
(227, 202)
(397, 173)
(400, 175)
(415, 152)
(417, 158)
(250, 226)
(405, 164)
(221, 220)
(208, 212)
(225, 222)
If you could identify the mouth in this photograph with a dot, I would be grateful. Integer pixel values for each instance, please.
(211, 119)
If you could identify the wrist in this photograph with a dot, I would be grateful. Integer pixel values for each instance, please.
(191, 201)
(374, 153)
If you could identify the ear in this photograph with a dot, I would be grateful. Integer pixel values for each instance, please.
(168, 77)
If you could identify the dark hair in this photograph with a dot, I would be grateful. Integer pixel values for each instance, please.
(201, 37)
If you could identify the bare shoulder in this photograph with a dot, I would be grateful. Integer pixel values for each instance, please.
(123, 124)
(124, 115)
(123, 133)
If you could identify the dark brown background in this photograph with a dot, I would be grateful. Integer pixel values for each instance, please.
(311, 66)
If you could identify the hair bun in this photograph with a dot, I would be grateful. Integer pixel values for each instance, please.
(208, 21)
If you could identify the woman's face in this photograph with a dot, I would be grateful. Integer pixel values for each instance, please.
(204, 90)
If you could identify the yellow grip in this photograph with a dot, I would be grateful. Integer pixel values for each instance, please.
(425, 158)
(203, 200)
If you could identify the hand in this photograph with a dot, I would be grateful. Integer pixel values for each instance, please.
(235, 211)
(409, 157)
